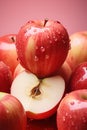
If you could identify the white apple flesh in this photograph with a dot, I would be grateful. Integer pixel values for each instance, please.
(40, 97)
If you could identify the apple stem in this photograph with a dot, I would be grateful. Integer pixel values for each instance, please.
(35, 91)
(45, 21)
(13, 39)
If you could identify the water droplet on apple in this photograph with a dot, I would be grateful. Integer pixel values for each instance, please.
(47, 56)
(36, 47)
(50, 42)
(70, 116)
(64, 118)
(7, 111)
(72, 103)
(64, 41)
(42, 49)
(66, 114)
(72, 123)
(36, 58)
(55, 39)
(84, 120)
(59, 32)
(48, 36)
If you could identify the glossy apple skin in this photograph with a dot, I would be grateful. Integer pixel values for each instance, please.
(78, 79)
(78, 51)
(72, 111)
(5, 77)
(42, 46)
(45, 124)
(8, 52)
(12, 114)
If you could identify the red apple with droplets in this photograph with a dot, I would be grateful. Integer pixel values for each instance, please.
(72, 111)
(78, 78)
(42, 46)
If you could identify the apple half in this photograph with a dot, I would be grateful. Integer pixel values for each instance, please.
(40, 97)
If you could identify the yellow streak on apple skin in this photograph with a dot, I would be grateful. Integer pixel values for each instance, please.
(2, 94)
(30, 50)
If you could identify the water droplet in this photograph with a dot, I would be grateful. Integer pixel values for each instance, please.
(36, 58)
(55, 39)
(72, 103)
(59, 32)
(36, 47)
(42, 49)
(72, 123)
(47, 56)
(48, 36)
(64, 41)
(50, 41)
(7, 111)
(84, 120)
(66, 114)
(70, 116)
(64, 119)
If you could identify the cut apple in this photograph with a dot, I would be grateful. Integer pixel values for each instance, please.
(40, 97)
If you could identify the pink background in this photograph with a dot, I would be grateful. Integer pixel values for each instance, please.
(14, 13)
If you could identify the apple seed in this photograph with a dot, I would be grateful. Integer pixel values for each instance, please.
(35, 91)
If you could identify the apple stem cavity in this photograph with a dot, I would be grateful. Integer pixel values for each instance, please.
(35, 91)
(45, 21)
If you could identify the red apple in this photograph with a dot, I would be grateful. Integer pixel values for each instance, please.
(45, 124)
(40, 97)
(12, 114)
(72, 111)
(5, 77)
(8, 52)
(78, 51)
(42, 46)
(78, 79)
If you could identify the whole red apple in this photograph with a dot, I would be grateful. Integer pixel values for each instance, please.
(72, 111)
(78, 79)
(40, 97)
(78, 51)
(42, 46)
(5, 77)
(8, 52)
(12, 114)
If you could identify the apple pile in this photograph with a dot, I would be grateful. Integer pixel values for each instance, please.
(43, 77)
(42, 47)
